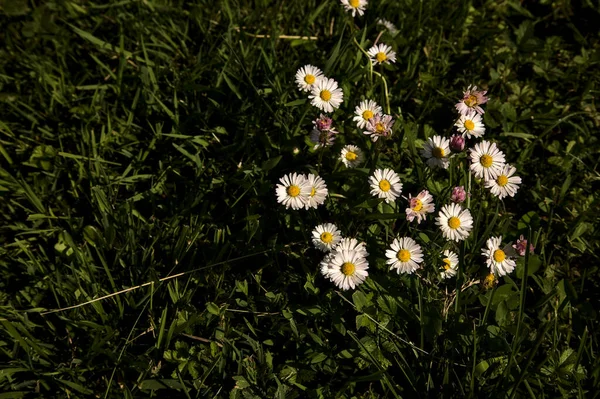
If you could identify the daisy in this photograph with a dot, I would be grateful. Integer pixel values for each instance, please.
(419, 206)
(487, 161)
(326, 95)
(356, 6)
(352, 156)
(404, 256)
(364, 112)
(352, 244)
(498, 259)
(293, 191)
(490, 281)
(450, 264)
(381, 53)
(505, 183)
(322, 138)
(471, 101)
(437, 150)
(307, 76)
(348, 269)
(326, 236)
(325, 263)
(388, 25)
(379, 125)
(318, 191)
(470, 125)
(385, 184)
(456, 223)
(521, 246)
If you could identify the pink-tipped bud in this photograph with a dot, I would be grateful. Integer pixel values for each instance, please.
(521, 246)
(457, 143)
(458, 194)
(323, 122)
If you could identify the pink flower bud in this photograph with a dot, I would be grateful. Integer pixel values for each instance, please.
(457, 143)
(323, 122)
(521, 246)
(458, 194)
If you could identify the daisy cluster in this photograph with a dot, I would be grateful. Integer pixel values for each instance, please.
(345, 262)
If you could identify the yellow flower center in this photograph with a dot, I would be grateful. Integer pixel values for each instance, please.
(368, 114)
(351, 156)
(381, 56)
(499, 255)
(379, 127)
(490, 279)
(325, 95)
(486, 160)
(348, 268)
(471, 101)
(447, 264)
(418, 205)
(326, 237)
(310, 79)
(469, 125)
(293, 191)
(313, 192)
(438, 152)
(384, 185)
(403, 255)
(502, 180)
(454, 223)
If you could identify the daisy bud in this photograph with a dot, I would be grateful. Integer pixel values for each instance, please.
(323, 122)
(457, 143)
(521, 246)
(458, 194)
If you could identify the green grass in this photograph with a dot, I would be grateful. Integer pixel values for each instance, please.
(140, 146)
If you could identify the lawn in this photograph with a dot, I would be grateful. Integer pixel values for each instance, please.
(153, 154)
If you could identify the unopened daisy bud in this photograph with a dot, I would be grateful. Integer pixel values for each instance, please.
(296, 151)
(521, 246)
(458, 194)
(457, 143)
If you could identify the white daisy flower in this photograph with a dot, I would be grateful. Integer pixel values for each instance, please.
(326, 236)
(326, 95)
(326, 263)
(498, 259)
(307, 76)
(385, 184)
(456, 223)
(470, 125)
(419, 206)
(293, 191)
(388, 25)
(364, 112)
(356, 6)
(348, 269)
(487, 160)
(450, 267)
(471, 101)
(381, 53)
(352, 156)
(437, 150)
(352, 244)
(405, 255)
(318, 191)
(379, 126)
(505, 183)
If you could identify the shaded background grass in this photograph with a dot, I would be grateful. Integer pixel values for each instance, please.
(142, 139)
